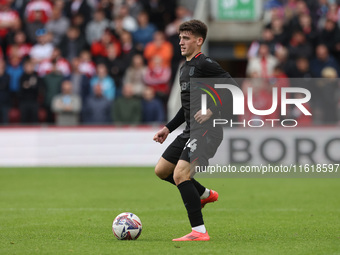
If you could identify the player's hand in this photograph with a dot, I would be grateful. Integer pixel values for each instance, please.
(161, 135)
(203, 118)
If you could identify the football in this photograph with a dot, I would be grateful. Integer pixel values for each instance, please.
(127, 226)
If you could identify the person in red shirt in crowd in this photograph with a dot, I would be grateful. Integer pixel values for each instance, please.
(20, 45)
(158, 78)
(44, 6)
(158, 47)
(9, 19)
(37, 13)
(99, 48)
(62, 65)
(86, 65)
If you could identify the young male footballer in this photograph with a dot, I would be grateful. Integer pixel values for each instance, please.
(174, 165)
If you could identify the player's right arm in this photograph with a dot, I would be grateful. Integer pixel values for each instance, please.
(178, 120)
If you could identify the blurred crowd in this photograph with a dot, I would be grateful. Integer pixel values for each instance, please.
(300, 40)
(88, 61)
(114, 61)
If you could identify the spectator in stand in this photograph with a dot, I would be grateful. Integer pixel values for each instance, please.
(79, 9)
(79, 21)
(99, 48)
(158, 47)
(66, 106)
(15, 70)
(144, 33)
(301, 9)
(97, 109)
(62, 65)
(290, 9)
(59, 4)
(96, 27)
(274, 9)
(116, 66)
(182, 15)
(322, 13)
(134, 76)
(108, 7)
(284, 61)
(30, 89)
(158, 78)
(153, 109)
(52, 82)
(330, 36)
(298, 46)
(128, 49)
(333, 12)
(263, 64)
(44, 7)
(86, 65)
(171, 31)
(20, 46)
(280, 33)
(57, 25)
(72, 44)
(323, 59)
(127, 109)
(301, 68)
(161, 12)
(105, 81)
(43, 49)
(33, 26)
(135, 7)
(129, 23)
(5, 96)
(268, 38)
(117, 25)
(37, 14)
(80, 83)
(308, 28)
(9, 20)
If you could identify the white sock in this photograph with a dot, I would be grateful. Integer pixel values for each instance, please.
(200, 228)
(205, 194)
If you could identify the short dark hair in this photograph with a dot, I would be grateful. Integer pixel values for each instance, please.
(196, 27)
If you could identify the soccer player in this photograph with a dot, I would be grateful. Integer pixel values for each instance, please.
(174, 165)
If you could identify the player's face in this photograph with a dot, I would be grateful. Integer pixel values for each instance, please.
(190, 44)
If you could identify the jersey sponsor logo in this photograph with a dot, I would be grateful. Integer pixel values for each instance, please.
(192, 71)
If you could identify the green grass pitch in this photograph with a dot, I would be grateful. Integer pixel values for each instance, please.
(70, 211)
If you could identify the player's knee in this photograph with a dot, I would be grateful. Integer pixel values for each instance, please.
(160, 172)
(180, 175)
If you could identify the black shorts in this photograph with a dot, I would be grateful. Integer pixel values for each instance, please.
(197, 149)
